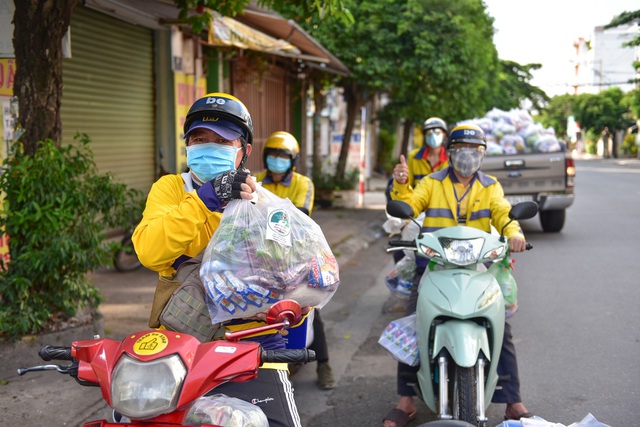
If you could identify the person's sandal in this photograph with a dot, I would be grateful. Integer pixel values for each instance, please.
(399, 417)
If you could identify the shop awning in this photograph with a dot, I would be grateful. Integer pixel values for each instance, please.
(278, 27)
(225, 31)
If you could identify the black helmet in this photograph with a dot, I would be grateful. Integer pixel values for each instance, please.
(216, 106)
(434, 123)
(469, 134)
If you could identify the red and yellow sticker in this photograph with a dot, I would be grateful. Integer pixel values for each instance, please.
(151, 343)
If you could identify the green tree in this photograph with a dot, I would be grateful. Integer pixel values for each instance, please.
(428, 55)
(55, 211)
(603, 114)
(514, 87)
(557, 111)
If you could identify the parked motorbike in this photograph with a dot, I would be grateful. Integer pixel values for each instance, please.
(155, 377)
(460, 315)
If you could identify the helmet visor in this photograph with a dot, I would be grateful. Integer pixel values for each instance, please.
(225, 128)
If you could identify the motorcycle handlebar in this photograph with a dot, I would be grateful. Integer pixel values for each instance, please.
(302, 355)
(529, 246)
(50, 352)
(401, 243)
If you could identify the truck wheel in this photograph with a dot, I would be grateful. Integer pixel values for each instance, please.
(552, 221)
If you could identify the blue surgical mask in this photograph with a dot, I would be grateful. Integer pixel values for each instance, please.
(434, 140)
(278, 164)
(209, 160)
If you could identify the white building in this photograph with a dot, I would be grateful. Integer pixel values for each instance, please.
(603, 62)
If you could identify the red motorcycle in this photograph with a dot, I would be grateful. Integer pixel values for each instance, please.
(155, 377)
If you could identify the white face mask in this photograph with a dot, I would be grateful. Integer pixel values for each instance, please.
(209, 160)
(466, 161)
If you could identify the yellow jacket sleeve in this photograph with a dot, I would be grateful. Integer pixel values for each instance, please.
(174, 223)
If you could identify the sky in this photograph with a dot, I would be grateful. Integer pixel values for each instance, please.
(543, 31)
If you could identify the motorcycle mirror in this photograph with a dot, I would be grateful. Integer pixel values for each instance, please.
(399, 209)
(524, 210)
(286, 310)
(402, 210)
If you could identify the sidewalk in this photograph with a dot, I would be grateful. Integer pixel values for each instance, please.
(56, 399)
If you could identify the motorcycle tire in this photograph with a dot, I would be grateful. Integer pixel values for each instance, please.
(125, 258)
(466, 394)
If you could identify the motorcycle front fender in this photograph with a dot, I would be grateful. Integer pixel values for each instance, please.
(463, 340)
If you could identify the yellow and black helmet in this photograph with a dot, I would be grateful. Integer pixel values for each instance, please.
(217, 108)
(468, 134)
(281, 143)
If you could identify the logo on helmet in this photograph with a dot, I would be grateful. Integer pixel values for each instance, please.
(469, 132)
(210, 119)
(219, 101)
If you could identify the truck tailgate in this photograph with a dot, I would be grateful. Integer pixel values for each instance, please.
(528, 174)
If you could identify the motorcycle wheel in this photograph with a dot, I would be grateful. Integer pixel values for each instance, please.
(466, 395)
(126, 259)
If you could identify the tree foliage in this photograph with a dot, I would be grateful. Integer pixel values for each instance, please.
(605, 110)
(431, 57)
(604, 113)
(55, 211)
(513, 87)
(626, 18)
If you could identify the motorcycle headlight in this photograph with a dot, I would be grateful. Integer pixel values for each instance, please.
(430, 252)
(462, 252)
(142, 390)
(494, 253)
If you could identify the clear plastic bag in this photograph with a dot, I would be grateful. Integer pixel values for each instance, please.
(399, 337)
(225, 411)
(263, 251)
(400, 279)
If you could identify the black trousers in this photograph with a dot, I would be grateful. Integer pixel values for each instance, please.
(508, 390)
(319, 344)
(271, 391)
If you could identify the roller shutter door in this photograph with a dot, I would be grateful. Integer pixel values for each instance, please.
(108, 94)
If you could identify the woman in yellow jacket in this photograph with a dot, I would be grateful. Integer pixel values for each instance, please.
(184, 210)
(431, 157)
(460, 194)
(280, 156)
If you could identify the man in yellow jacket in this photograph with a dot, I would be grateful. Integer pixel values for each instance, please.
(184, 210)
(460, 194)
(280, 156)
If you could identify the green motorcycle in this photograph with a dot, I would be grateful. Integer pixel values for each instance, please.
(460, 315)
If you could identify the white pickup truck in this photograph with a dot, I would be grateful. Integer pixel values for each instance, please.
(530, 163)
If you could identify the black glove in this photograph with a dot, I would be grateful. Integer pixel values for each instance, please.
(227, 185)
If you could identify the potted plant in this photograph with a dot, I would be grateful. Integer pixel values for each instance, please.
(331, 191)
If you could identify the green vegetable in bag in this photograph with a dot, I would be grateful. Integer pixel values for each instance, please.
(502, 272)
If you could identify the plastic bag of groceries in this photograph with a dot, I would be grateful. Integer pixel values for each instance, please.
(263, 251)
(501, 270)
(399, 338)
(399, 279)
